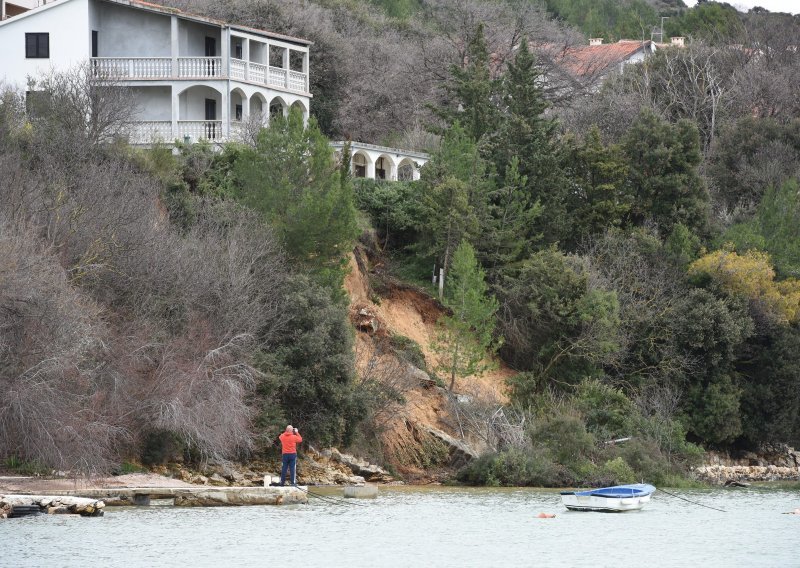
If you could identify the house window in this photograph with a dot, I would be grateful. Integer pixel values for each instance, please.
(37, 46)
(238, 112)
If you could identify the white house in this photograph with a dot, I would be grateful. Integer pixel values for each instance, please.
(190, 76)
(381, 162)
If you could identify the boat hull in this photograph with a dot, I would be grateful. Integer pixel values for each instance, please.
(604, 504)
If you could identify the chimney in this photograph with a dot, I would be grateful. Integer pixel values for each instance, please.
(595, 41)
(677, 41)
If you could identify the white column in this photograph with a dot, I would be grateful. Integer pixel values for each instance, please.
(225, 51)
(305, 70)
(392, 176)
(245, 108)
(176, 109)
(174, 42)
(246, 57)
(415, 172)
(226, 112)
(370, 169)
(286, 65)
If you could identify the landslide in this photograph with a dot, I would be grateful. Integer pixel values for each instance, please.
(422, 437)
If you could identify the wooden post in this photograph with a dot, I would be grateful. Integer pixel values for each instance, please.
(441, 283)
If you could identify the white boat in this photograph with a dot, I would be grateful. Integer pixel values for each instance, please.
(610, 499)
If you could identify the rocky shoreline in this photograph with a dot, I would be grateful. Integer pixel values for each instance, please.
(772, 463)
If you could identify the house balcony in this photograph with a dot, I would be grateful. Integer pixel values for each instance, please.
(148, 131)
(162, 68)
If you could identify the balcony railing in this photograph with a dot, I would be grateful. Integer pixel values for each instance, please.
(198, 68)
(132, 67)
(201, 67)
(149, 131)
(200, 129)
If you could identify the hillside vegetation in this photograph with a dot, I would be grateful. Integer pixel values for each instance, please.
(626, 254)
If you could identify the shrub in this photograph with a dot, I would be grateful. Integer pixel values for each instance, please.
(515, 467)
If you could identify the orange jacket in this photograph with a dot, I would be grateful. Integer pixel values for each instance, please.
(289, 442)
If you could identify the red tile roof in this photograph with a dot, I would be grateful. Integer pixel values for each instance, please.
(588, 60)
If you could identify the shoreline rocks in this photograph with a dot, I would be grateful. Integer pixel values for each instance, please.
(772, 463)
(52, 505)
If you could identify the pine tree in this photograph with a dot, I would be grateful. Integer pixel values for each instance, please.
(666, 185)
(291, 178)
(470, 92)
(525, 134)
(465, 339)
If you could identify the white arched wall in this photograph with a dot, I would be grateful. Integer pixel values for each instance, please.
(392, 159)
(407, 170)
(240, 99)
(258, 107)
(368, 165)
(277, 103)
(191, 102)
(299, 104)
(385, 168)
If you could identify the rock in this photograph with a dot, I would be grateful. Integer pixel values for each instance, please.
(416, 374)
(58, 511)
(362, 468)
(460, 452)
(217, 479)
(199, 480)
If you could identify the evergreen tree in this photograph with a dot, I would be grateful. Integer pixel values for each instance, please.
(290, 177)
(526, 135)
(666, 185)
(599, 196)
(506, 238)
(454, 190)
(465, 338)
(470, 91)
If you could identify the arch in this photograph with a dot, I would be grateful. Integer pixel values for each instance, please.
(240, 106)
(200, 112)
(385, 168)
(360, 163)
(258, 107)
(278, 106)
(406, 170)
(302, 107)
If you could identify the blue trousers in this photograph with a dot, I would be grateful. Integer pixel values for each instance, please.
(290, 463)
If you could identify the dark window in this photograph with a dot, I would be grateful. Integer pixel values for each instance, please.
(238, 112)
(94, 43)
(37, 46)
(238, 50)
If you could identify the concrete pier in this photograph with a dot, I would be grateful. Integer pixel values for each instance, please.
(201, 496)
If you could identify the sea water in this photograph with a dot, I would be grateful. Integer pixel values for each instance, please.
(422, 527)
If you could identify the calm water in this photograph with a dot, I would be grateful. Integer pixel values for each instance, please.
(423, 527)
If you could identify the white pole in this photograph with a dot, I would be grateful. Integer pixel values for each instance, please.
(433, 279)
(441, 283)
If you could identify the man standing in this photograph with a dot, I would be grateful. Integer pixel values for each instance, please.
(289, 440)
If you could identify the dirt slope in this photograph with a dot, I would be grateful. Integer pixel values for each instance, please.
(405, 311)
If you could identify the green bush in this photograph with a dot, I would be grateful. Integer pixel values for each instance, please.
(617, 471)
(408, 350)
(564, 435)
(516, 468)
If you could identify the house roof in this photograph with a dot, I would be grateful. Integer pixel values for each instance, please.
(588, 60)
(158, 8)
